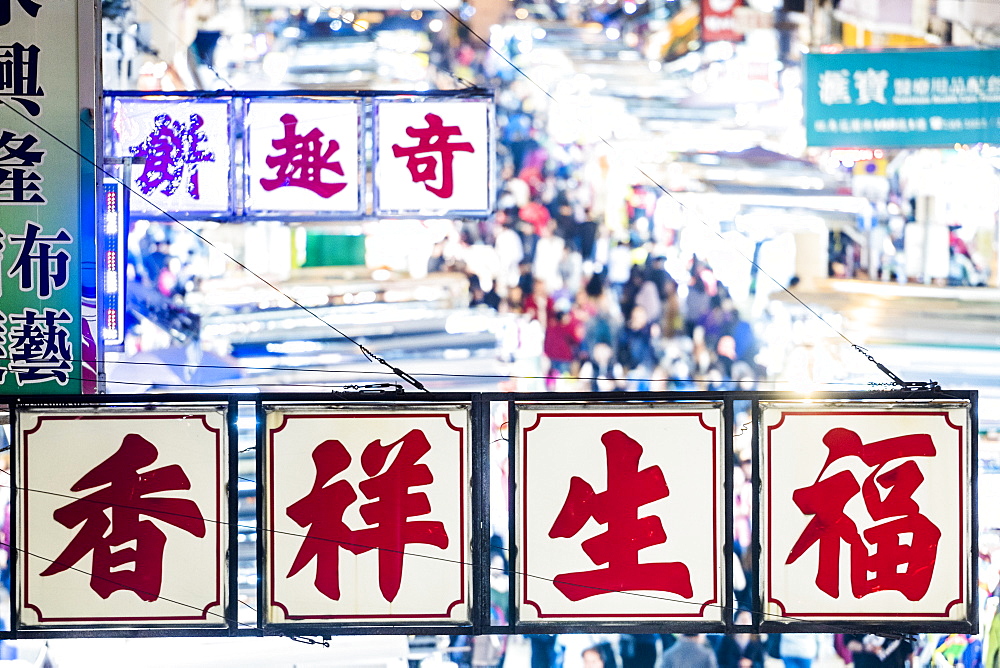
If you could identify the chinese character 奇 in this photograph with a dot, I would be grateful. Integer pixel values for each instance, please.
(430, 161)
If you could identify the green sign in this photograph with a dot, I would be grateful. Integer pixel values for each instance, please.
(41, 296)
(902, 98)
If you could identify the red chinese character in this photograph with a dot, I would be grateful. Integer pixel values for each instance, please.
(421, 159)
(905, 546)
(627, 533)
(323, 510)
(303, 160)
(389, 528)
(124, 492)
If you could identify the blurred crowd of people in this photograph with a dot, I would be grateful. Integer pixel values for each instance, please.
(597, 308)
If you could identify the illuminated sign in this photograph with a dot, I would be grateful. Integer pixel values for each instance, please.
(901, 98)
(867, 512)
(129, 530)
(620, 513)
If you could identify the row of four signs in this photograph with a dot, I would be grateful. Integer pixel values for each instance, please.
(305, 156)
(620, 515)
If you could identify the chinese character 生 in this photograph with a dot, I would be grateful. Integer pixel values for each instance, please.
(629, 488)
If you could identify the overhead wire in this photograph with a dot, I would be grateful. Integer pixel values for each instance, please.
(364, 350)
(366, 547)
(545, 91)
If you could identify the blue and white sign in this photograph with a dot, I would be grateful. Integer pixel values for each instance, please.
(902, 98)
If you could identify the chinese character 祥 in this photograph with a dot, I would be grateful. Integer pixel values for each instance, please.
(29, 7)
(898, 552)
(389, 527)
(127, 548)
(834, 87)
(37, 267)
(303, 160)
(430, 161)
(871, 85)
(19, 183)
(627, 533)
(172, 150)
(19, 75)
(39, 348)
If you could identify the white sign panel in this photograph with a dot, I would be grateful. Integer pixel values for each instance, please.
(866, 511)
(432, 157)
(620, 513)
(364, 509)
(303, 156)
(122, 518)
(182, 154)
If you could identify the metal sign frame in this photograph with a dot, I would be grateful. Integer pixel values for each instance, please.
(479, 405)
(238, 105)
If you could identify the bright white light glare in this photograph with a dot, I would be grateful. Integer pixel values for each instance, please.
(246, 423)
(613, 33)
(381, 274)
(629, 7)
(435, 25)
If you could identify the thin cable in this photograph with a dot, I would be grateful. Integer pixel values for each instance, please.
(364, 350)
(348, 544)
(896, 379)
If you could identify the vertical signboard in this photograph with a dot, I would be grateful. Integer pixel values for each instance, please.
(363, 508)
(303, 157)
(718, 21)
(620, 514)
(901, 98)
(41, 325)
(867, 513)
(182, 153)
(121, 518)
(433, 157)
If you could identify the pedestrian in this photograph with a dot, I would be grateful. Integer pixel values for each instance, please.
(689, 652)
(799, 649)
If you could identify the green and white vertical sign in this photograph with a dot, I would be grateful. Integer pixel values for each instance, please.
(902, 98)
(46, 228)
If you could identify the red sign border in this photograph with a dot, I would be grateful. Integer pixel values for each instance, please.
(464, 500)
(220, 524)
(962, 523)
(523, 567)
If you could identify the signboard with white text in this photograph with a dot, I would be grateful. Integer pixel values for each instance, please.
(433, 156)
(122, 518)
(304, 156)
(902, 98)
(363, 509)
(46, 338)
(866, 512)
(182, 152)
(619, 513)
